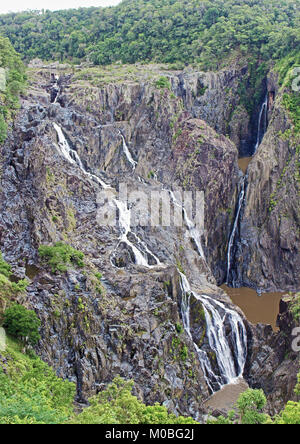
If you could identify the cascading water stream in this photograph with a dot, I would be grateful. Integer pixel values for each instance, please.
(72, 157)
(261, 130)
(262, 123)
(124, 213)
(55, 89)
(216, 335)
(191, 226)
(235, 226)
(231, 361)
(127, 153)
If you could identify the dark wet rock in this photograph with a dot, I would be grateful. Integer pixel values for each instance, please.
(127, 323)
(272, 363)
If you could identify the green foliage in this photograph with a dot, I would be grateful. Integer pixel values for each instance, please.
(8, 288)
(285, 64)
(179, 328)
(14, 73)
(22, 323)
(5, 268)
(251, 89)
(248, 409)
(163, 83)
(295, 307)
(290, 414)
(222, 420)
(98, 276)
(30, 392)
(250, 405)
(59, 256)
(167, 31)
(117, 405)
(291, 101)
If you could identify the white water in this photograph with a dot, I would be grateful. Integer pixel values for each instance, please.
(127, 153)
(214, 320)
(261, 129)
(215, 315)
(55, 85)
(124, 212)
(262, 123)
(191, 226)
(72, 156)
(235, 225)
(124, 221)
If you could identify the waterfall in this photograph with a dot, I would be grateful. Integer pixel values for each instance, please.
(261, 129)
(124, 222)
(127, 153)
(235, 226)
(72, 156)
(195, 235)
(140, 254)
(262, 123)
(55, 90)
(230, 363)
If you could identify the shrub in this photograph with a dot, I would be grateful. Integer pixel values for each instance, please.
(5, 268)
(295, 307)
(8, 289)
(60, 255)
(22, 323)
(30, 391)
(163, 83)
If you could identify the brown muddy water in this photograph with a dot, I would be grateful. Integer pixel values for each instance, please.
(262, 309)
(243, 163)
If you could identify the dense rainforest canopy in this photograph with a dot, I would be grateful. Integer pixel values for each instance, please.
(185, 31)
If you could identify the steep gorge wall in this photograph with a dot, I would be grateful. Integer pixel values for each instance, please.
(268, 253)
(128, 326)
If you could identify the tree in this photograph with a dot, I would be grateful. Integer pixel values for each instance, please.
(290, 414)
(248, 409)
(21, 323)
(250, 405)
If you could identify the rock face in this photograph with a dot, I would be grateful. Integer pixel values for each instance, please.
(268, 254)
(153, 140)
(127, 324)
(272, 362)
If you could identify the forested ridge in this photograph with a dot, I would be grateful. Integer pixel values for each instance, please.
(189, 31)
(90, 309)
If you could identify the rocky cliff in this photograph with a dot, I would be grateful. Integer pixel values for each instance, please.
(268, 253)
(154, 131)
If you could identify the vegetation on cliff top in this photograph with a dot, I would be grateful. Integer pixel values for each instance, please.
(163, 30)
